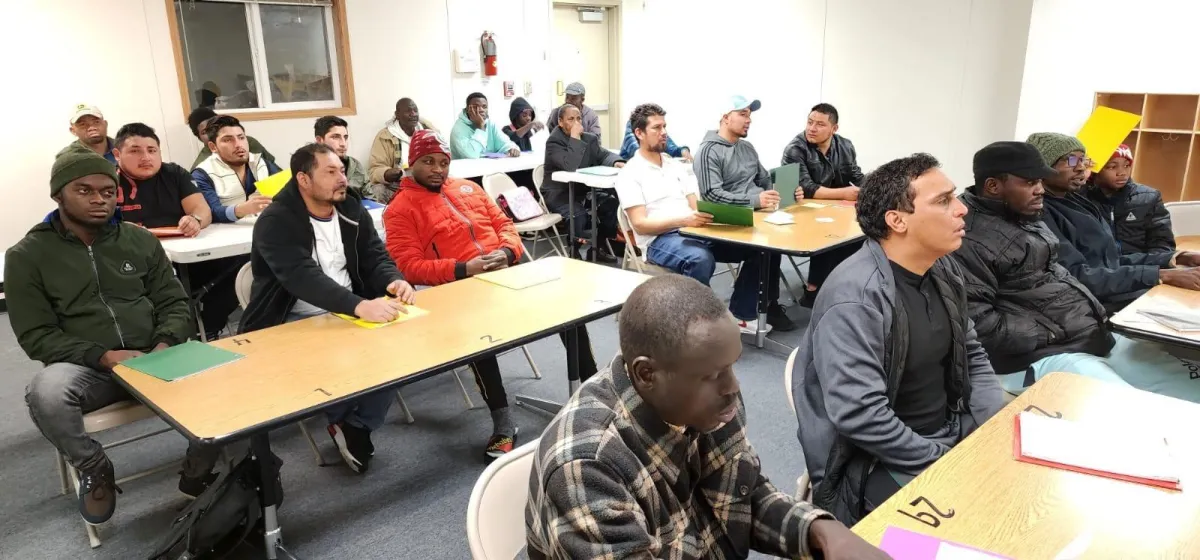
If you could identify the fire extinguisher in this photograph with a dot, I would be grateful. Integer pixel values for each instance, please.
(488, 45)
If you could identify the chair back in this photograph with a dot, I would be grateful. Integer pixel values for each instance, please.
(242, 285)
(497, 184)
(1185, 218)
(803, 483)
(539, 176)
(630, 242)
(496, 511)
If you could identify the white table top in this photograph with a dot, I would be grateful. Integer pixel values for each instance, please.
(218, 241)
(594, 181)
(465, 168)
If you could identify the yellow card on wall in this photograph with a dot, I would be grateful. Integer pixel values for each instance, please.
(271, 186)
(1106, 129)
(413, 313)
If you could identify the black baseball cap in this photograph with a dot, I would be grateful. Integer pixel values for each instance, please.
(1014, 158)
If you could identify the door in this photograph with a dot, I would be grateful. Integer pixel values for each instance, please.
(581, 53)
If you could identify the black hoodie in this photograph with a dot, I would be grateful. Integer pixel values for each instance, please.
(514, 111)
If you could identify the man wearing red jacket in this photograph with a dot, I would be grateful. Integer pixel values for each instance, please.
(440, 230)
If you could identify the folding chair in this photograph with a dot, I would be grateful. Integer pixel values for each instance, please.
(496, 510)
(803, 483)
(497, 184)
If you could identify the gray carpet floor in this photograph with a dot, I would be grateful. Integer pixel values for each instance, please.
(412, 503)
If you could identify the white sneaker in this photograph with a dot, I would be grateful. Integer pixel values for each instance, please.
(750, 327)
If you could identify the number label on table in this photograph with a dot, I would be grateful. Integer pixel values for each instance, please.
(933, 519)
(1042, 411)
(488, 338)
(240, 341)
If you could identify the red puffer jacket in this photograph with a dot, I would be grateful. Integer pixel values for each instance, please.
(428, 233)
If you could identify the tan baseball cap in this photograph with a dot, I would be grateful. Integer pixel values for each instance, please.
(83, 110)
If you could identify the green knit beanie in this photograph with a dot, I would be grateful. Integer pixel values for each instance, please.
(1053, 146)
(79, 162)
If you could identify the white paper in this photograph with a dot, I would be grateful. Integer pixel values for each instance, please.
(780, 218)
(824, 220)
(1107, 447)
(948, 551)
(812, 205)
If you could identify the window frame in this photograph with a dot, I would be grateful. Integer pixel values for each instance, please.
(342, 74)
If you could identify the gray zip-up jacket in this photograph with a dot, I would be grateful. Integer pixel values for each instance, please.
(730, 173)
(847, 374)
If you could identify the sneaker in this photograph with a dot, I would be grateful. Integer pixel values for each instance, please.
(808, 299)
(98, 494)
(778, 319)
(499, 444)
(354, 444)
(193, 487)
(602, 256)
(750, 327)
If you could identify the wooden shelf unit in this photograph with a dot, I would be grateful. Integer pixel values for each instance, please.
(1165, 144)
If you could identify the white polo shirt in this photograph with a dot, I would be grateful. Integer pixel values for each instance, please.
(662, 190)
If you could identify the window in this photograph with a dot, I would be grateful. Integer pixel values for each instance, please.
(263, 59)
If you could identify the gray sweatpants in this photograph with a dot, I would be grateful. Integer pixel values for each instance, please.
(59, 396)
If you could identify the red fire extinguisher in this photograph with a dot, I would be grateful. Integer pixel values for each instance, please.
(488, 45)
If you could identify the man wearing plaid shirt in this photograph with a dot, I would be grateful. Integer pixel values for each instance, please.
(649, 459)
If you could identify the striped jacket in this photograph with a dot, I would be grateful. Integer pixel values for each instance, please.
(730, 173)
(611, 480)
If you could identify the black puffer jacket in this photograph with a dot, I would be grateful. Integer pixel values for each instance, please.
(1025, 305)
(837, 169)
(1140, 221)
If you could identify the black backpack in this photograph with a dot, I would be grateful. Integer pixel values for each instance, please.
(217, 521)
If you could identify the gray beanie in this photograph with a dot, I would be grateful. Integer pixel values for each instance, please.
(1053, 146)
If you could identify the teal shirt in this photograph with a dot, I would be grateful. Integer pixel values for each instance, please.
(468, 142)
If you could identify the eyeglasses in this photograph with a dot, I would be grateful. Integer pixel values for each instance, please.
(1074, 161)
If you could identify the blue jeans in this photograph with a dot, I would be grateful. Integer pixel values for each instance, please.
(367, 412)
(1134, 363)
(698, 259)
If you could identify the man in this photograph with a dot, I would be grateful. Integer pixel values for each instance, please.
(574, 95)
(889, 375)
(474, 134)
(629, 146)
(523, 124)
(227, 177)
(442, 230)
(335, 133)
(86, 292)
(91, 132)
(569, 148)
(1140, 221)
(650, 457)
(1031, 315)
(1086, 245)
(389, 150)
(315, 251)
(728, 171)
(658, 195)
(198, 121)
(151, 193)
(829, 170)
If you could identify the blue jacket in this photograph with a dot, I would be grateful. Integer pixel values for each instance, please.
(629, 145)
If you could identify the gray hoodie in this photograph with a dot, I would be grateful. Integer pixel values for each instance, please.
(730, 173)
(847, 374)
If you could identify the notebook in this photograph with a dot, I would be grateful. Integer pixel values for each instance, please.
(787, 180)
(727, 213)
(902, 544)
(1177, 319)
(600, 170)
(413, 313)
(1110, 450)
(495, 155)
(183, 360)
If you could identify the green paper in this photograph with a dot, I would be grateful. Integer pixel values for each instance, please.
(727, 213)
(600, 171)
(787, 180)
(180, 361)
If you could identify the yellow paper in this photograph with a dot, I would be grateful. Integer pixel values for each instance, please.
(271, 186)
(413, 313)
(1106, 129)
(522, 276)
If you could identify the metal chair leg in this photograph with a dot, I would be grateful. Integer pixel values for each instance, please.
(463, 388)
(63, 478)
(790, 292)
(408, 417)
(529, 357)
(799, 274)
(557, 243)
(92, 534)
(311, 443)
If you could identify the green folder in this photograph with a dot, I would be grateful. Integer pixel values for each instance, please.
(180, 361)
(787, 180)
(727, 213)
(599, 170)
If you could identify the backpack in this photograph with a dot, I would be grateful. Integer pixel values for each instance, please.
(519, 204)
(217, 521)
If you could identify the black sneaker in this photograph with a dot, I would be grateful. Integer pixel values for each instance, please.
(778, 319)
(98, 494)
(193, 487)
(808, 299)
(602, 256)
(354, 444)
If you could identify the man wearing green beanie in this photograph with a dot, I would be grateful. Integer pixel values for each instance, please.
(85, 292)
(1087, 247)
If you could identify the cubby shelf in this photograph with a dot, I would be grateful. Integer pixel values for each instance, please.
(1166, 151)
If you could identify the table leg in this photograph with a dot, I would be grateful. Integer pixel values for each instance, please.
(595, 226)
(764, 274)
(571, 219)
(185, 278)
(260, 445)
(548, 407)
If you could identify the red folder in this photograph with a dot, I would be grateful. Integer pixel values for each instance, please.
(161, 232)
(1127, 478)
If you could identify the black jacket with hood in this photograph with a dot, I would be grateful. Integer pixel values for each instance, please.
(281, 259)
(1139, 218)
(839, 168)
(514, 110)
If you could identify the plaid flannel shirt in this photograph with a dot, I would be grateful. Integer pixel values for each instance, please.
(611, 480)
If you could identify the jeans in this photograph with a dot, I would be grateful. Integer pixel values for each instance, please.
(1134, 363)
(698, 259)
(606, 212)
(367, 412)
(491, 386)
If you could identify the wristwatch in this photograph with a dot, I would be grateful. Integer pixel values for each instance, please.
(199, 222)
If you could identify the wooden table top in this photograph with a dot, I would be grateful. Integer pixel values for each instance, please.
(805, 237)
(293, 370)
(1188, 243)
(1033, 512)
(1129, 321)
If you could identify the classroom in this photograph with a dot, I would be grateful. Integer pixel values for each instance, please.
(598, 279)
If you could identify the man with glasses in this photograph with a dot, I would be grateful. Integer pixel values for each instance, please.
(1087, 247)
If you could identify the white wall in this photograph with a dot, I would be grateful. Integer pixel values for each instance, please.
(1080, 47)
